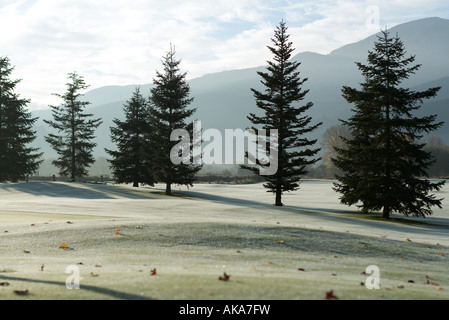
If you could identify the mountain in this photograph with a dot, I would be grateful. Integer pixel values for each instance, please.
(223, 100)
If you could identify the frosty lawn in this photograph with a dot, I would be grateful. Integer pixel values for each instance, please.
(118, 235)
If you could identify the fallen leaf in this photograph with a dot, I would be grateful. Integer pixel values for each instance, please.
(21, 292)
(69, 222)
(42, 267)
(301, 269)
(4, 284)
(441, 254)
(437, 288)
(408, 240)
(98, 265)
(282, 241)
(330, 295)
(26, 251)
(225, 277)
(94, 274)
(117, 231)
(63, 246)
(269, 262)
(411, 281)
(153, 272)
(400, 287)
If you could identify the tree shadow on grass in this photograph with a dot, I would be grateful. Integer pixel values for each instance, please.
(109, 292)
(74, 190)
(331, 216)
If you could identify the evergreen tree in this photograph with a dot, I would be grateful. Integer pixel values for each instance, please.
(17, 158)
(73, 143)
(129, 163)
(168, 110)
(384, 165)
(281, 103)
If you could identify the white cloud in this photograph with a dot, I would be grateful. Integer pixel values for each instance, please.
(116, 42)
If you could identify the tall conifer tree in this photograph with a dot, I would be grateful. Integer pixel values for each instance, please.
(73, 143)
(168, 111)
(129, 162)
(384, 166)
(281, 101)
(17, 158)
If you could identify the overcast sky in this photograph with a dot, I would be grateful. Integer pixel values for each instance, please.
(116, 42)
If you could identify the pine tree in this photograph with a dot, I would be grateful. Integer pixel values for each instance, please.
(17, 158)
(281, 103)
(128, 163)
(73, 143)
(168, 110)
(384, 165)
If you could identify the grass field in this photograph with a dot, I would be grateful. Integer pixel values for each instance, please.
(128, 243)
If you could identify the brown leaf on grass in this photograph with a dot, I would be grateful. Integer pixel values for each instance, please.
(301, 269)
(330, 295)
(225, 277)
(21, 292)
(153, 272)
(26, 251)
(408, 239)
(4, 284)
(63, 246)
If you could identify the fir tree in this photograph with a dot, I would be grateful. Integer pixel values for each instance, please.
(73, 143)
(168, 110)
(281, 101)
(17, 158)
(384, 166)
(128, 163)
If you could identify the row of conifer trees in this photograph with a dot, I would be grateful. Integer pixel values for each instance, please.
(383, 166)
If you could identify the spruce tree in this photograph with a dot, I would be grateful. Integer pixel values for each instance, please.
(168, 111)
(128, 162)
(73, 142)
(384, 166)
(282, 103)
(17, 158)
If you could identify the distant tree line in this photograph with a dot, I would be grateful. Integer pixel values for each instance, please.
(377, 156)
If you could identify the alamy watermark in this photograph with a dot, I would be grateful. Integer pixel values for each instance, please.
(373, 280)
(372, 21)
(73, 280)
(191, 151)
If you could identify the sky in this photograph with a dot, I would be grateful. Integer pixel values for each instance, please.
(117, 42)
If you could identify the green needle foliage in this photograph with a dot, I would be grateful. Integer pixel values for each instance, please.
(73, 142)
(168, 110)
(17, 158)
(384, 166)
(280, 103)
(128, 162)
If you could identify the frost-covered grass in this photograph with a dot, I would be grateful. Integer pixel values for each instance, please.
(301, 251)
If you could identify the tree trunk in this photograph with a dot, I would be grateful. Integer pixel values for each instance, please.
(168, 189)
(386, 212)
(278, 202)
